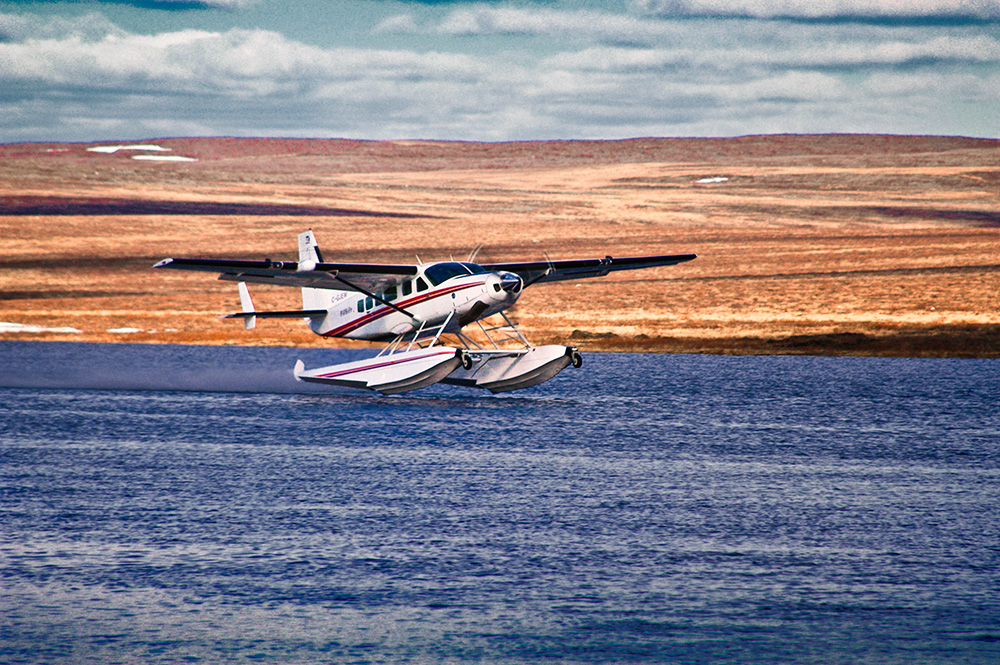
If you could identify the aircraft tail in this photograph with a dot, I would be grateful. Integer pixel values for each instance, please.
(308, 249)
(309, 253)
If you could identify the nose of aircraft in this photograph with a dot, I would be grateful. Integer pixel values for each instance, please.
(511, 283)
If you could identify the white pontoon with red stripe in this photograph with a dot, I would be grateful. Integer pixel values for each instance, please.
(410, 307)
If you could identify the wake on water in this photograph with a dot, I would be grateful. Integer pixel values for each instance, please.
(86, 366)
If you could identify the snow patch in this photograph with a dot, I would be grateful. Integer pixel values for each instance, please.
(111, 149)
(165, 158)
(712, 181)
(6, 327)
(124, 331)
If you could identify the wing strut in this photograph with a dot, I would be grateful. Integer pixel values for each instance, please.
(373, 296)
(548, 271)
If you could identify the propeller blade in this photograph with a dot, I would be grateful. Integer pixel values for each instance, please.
(474, 253)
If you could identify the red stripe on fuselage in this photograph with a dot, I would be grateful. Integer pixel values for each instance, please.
(376, 314)
(385, 363)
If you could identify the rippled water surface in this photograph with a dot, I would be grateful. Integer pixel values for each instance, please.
(185, 504)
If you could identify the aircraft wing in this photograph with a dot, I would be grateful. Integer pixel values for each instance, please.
(368, 276)
(554, 271)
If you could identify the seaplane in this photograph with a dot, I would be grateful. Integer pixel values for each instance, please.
(410, 308)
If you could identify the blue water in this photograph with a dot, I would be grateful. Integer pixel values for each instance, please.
(166, 504)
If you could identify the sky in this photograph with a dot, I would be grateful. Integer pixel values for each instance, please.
(98, 70)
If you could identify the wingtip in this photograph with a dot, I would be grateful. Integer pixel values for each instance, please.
(164, 263)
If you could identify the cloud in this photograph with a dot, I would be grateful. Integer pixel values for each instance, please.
(237, 63)
(181, 5)
(731, 44)
(90, 80)
(920, 11)
(89, 27)
(535, 22)
(175, 5)
(399, 24)
(834, 55)
(233, 82)
(230, 5)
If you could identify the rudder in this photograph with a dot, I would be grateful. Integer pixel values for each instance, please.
(309, 254)
(308, 248)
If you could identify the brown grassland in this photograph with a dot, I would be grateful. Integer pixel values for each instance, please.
(849, 245)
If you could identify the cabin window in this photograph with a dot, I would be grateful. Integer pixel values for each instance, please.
(407, 288)
(361, 305)
(421, 285)
(369, 303)
(391, 294)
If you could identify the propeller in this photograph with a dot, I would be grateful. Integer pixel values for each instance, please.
(548, 271)
(511, 283)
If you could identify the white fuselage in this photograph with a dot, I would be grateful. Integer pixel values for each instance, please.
(462, 291)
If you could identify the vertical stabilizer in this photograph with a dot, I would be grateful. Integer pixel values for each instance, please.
(309, 254)
(308, 249)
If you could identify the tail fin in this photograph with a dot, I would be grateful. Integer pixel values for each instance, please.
(246, 304)
(309, 253)
(308, 249)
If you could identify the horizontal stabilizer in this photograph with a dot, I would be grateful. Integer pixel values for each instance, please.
(369, 276)
(289, 314)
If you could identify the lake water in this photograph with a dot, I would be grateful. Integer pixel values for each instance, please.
(165, 504)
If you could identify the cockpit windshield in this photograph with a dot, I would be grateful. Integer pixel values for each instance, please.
(474, 268)
(441, 272)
